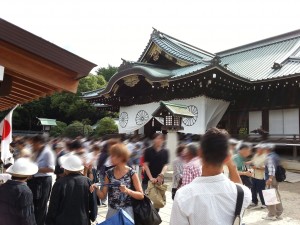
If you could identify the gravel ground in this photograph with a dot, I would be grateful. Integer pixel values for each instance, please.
(290, 194)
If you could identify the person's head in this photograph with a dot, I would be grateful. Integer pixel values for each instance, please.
(38, 142)
(214, 147)
(75, 145)
(71, 164)
(22, 169)
(158, 140)
(20, 144)
(190, 152)
(96, 149)
(179, 150)
(58, 146)
(232, 143)
(268, 147)
(259, 148)
(245, 149)
(119, 154)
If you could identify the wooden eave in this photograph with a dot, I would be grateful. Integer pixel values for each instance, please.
(33, 67)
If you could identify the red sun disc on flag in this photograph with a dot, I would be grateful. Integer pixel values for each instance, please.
(6, 129)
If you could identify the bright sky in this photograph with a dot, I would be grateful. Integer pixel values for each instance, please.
(106, 31)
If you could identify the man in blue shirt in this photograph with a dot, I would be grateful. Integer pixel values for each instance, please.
(41, 183)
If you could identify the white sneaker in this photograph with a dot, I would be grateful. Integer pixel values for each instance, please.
(263, 206)
(270, 218)
(252, 205)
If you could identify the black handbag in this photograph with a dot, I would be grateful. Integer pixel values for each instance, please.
(144, 212)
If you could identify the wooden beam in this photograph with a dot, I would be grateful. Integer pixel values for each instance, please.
(22, 94)
(29, 82)
(8, 100)
(38, 70)
(27, 90)
(3, 104)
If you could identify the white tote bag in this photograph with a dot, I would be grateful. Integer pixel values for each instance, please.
(270, 196)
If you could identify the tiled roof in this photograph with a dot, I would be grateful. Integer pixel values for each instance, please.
(188, 70)
(267, 59)
(177, 48)
(257, 63)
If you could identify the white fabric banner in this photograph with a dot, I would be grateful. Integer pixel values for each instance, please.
(208, 112)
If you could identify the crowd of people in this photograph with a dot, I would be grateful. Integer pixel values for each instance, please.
(92, 172)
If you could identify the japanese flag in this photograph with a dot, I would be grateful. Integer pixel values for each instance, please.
(6, 136)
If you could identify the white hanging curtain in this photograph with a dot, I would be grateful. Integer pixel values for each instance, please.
(207, 111)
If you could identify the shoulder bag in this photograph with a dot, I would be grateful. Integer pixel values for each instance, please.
(238, 208)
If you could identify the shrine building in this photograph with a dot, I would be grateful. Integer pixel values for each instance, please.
(243, 89)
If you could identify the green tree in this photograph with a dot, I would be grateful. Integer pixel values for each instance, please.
(72, 106)
(90, 83)
(106, 126)
(77, 129)
(107, 72)
(59, 129)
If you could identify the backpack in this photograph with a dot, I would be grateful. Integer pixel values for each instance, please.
(280, 174)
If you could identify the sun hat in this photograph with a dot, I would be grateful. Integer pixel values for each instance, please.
(71, 162)
(233, 141)
(23, 167)
(260, 145)
(270, 146)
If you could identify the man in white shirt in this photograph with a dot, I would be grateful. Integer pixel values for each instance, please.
(211, 198)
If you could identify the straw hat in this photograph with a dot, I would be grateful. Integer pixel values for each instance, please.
(23, 167)
(71, 163)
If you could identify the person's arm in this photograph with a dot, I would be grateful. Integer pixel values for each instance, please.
(177, 215)
(54, 204)
(160, 178)
(245, 173)
(176, 171)
(151, 178)
(233, 173)
(138, 193)
(271, 170)
(100, 193)
(45, 170)
(50, 164)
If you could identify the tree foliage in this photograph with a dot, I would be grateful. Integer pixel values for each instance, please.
(76, 129)
(107, 72)
(59, 129)
(65, 107)
(106, 126)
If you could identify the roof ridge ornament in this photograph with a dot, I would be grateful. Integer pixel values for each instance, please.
(216, 60)
(125, 65)
(276, 66)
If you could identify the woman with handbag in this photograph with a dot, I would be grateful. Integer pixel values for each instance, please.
(121, 183)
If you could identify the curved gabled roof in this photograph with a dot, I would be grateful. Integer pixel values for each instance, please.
(269, 59)
(176, 48)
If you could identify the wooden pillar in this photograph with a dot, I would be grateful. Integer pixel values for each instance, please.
(233, 123)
